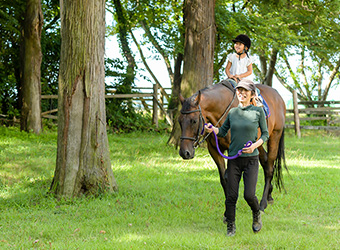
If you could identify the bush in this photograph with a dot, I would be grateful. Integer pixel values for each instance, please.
(121, 117)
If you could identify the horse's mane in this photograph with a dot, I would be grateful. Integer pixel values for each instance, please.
(189, 102)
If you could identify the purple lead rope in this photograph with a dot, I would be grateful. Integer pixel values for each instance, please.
(248, 144)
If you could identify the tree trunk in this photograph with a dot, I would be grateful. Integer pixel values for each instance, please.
(271, 68)
(198, 67)
(198, 62)
(83, 161)
(31, 63)
(268, 68)
(123, 30)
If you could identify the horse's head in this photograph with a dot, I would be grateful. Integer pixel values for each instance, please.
(191, 122)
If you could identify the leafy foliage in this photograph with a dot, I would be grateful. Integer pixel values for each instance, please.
(11, 18)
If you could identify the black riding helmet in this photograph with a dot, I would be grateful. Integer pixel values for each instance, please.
(246, 41)
(243, 39)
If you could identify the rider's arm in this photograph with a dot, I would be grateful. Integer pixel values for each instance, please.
(227, 70)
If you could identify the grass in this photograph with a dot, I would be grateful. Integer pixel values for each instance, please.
(164, 202)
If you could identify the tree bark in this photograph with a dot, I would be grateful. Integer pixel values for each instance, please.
(267, 68)
(198, 59)
(83, 161)
(30, 70)
(123, 30)
(198, 66)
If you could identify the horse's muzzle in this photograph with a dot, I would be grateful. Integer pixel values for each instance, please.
(186, 154)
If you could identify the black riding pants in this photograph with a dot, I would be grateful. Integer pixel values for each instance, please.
(249, 166)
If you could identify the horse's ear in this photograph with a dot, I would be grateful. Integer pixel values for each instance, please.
(181, 98)
(198, 98)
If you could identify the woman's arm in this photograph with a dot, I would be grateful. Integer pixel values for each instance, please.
(222, 131)
(253, 146)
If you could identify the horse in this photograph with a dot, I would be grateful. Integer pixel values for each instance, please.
(212, 104)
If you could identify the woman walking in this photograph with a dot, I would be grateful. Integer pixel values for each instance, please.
(243, 122)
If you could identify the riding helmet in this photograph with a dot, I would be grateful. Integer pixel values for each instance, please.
(243, 39)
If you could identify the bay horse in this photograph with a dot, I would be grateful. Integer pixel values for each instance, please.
(212, 104)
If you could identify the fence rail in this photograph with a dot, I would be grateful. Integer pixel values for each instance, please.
(313, 111)
(156, 97)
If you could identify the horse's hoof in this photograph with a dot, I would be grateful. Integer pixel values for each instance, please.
(225, 220)
(271, 201)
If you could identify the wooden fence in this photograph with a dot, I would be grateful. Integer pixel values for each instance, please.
(157, 96)
(328, 111)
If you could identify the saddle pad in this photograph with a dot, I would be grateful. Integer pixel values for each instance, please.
(265, 107)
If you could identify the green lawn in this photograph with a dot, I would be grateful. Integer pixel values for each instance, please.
(165, 202)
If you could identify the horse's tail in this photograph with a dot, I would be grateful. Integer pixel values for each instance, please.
(279, 161)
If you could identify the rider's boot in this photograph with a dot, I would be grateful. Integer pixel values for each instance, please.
(231, 228)
(257, 222)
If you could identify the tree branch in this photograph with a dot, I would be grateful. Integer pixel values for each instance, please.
(123, 37)
(271, 68)
(159, 48)
(330, 80)
(147, 66)
(220, 64)
(287, 86)
(293, 76)
(263, 63)
(305, 81)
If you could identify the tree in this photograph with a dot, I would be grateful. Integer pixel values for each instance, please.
(264, 24)
(123, 31)
(11, 17)
(163, 37)
(12, 35)
(83, 161)
(50, 47)
(316, 50)
(31, 63)
(198, 67)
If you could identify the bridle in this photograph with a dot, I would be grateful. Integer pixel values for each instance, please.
(199, 134)
(200, 126)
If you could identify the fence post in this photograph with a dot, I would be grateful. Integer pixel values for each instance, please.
(161, 100)
(296, 115)
(154, 106)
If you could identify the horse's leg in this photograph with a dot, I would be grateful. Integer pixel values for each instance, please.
(267, 162)
(264, 163)
(219, 160)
